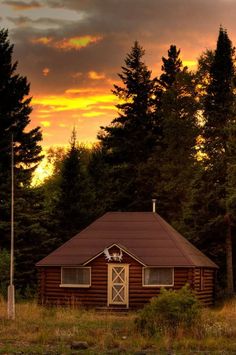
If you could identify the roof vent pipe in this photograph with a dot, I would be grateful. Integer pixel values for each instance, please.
(154, 205)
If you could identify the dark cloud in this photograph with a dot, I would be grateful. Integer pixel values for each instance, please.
(43, 22)
(22, 5)
(190, 24)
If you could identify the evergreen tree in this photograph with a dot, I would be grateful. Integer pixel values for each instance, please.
(213, 220)
(219, 115)
(130, 138)
(176, 112)
(75, 206)
(14, 118)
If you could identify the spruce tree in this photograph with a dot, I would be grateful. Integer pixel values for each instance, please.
(14, 118)
(74, 209)
(219, 114)
(15, 112)
(214, 189)
(176, 114)
(130, 139)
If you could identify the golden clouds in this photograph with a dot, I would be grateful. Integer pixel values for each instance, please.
(46, 71)
(58, 103)
(67, 44)
(42, 40)
(77, 42)
(96, 76)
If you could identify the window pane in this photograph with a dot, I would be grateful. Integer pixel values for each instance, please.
(76, 276)
(158, 276)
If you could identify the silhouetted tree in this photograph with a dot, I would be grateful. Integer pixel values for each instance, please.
(214, 190)
(15, 110)
(74, 209)
(14, 119)
(130, 138)
(176, 112)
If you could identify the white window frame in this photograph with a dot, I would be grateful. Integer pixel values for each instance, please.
(157, 267)
(76, 285)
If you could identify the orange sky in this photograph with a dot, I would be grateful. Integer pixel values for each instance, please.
(71, 51)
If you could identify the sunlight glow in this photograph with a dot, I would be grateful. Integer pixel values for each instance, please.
(45, 123)
(92, 114)
(191, 64)
(63, 103)
(43, 171)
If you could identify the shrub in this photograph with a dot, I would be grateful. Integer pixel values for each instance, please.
(168, 311)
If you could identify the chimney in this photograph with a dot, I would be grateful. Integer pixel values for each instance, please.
(154, 205)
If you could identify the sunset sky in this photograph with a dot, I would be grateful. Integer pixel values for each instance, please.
(72, 50)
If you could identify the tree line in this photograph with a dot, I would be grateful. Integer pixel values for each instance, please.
(174, 139)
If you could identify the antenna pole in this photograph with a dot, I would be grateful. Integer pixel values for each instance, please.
(11, 288)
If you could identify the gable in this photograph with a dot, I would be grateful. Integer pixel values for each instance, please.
(109, 251)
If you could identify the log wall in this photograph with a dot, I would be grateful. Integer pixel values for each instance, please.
(50, 293)
(204, 285)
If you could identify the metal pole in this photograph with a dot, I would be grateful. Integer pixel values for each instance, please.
(11, 288)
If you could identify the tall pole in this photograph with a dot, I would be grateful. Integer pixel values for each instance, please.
(11, 288)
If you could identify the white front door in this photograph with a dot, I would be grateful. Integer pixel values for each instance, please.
(118, 278)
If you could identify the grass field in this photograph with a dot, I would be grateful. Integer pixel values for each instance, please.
(51, 331)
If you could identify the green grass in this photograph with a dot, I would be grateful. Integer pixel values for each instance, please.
(39, 330)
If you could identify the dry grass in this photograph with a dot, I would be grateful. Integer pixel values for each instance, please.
(38, 330)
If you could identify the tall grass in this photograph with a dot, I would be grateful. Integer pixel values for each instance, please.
(39, 330)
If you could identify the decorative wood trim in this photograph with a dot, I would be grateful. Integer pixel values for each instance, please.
(121, 248)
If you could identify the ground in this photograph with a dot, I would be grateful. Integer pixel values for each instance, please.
(50, 331)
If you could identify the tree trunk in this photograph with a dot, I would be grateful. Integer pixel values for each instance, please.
(229, 258)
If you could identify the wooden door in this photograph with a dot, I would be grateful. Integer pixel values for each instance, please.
(118, 278)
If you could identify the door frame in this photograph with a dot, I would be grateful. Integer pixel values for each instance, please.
(110, 284)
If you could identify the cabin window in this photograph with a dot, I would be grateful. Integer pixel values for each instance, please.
(155, 276)
(75, 277)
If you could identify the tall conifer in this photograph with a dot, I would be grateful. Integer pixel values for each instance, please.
(130, 138)
(15, 112)
(176, 114)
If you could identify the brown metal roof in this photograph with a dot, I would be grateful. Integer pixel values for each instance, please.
(144, 234)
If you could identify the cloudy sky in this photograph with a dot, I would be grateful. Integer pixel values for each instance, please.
(72, 50)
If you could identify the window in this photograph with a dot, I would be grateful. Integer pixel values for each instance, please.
(75, 277)
(155, 276)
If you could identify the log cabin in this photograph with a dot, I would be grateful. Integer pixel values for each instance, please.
(121, 261)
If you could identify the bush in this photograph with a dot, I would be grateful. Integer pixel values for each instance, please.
(168, 311)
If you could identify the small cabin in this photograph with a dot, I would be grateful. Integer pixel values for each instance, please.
(122, 260)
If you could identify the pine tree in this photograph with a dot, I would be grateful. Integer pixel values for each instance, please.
(130, 138)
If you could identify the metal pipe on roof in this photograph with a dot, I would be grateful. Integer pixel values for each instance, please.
(154, 205)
